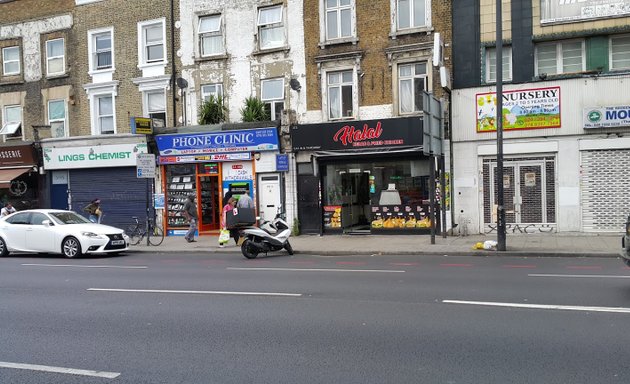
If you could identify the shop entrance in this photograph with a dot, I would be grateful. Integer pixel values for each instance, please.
(208, 202)
(355, 195)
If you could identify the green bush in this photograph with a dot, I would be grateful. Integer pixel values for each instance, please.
(254, 110)
(213, 111)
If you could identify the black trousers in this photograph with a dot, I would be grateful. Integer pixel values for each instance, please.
(234, 234)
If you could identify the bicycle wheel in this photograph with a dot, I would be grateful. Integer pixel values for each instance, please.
(135, 234)
(156, 237)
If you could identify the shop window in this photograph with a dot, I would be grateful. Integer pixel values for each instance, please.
(340, 86)
(412, 14)
(210, 35)
(155, 104)
(561, 57)
(11, 61)
(57, 118)
(208, 90)
(12, 122)
(412, 81)
(101, 50)
(55, 57)
(152, 42)
(273, 96)
(491, 64)
(270, 27)
(620, 52)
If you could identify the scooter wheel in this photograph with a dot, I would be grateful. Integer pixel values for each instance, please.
(289, 248)
(249, 250)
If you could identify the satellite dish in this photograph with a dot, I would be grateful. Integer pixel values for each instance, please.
(295, 85)
(181, 83)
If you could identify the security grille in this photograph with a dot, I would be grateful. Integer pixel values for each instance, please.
(604, 186)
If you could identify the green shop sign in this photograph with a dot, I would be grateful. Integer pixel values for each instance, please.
(97, 156)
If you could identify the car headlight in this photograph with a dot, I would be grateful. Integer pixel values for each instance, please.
(92, 235)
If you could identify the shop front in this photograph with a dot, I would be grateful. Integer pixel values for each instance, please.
(81, 173)
(208, 165)
(363, 177)
(19, 177)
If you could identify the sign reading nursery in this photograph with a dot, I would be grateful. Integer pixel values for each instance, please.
(522, 109)
(364, 134)
(96, 156)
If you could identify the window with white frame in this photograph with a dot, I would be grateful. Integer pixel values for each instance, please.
(340, 89)
(210, 35)
(101, 50)
(412, 14)
(12, 122)
(55, 57)
(155, 104)
(11, 61)
(412, 80)
(338, 18)
(561, 57)
(491, 64)
(620, 52)
(103, 114)
(152, 37)
(57, 118)
(270, 27)
(272, 94)
(215, 90)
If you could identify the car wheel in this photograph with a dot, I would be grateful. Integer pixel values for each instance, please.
(249, 250)
(71, 247)
(3, 248)
(289, 248)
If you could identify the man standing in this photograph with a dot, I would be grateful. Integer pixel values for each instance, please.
(244, 201)
(7, 210)
(190, 213)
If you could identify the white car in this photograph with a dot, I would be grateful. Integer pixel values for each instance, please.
(58, 231)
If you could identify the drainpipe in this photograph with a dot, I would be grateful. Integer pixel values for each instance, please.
(173, 69)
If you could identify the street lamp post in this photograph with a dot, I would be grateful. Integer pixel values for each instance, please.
(499, 123)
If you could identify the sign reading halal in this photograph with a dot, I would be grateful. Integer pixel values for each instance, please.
(363, 134)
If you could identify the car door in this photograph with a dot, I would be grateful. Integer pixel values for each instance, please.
(40, 237)
(15, 230)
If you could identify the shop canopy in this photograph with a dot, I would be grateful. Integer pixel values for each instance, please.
(8, 175)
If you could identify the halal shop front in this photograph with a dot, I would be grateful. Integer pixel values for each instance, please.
(208, 165)
(365, 176)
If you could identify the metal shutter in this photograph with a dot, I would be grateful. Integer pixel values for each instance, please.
(604, 188)
(121, 193)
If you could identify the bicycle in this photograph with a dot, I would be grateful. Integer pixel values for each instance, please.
(137, 232)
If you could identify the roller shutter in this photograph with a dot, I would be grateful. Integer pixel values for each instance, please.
(122, 194)
(604, 187)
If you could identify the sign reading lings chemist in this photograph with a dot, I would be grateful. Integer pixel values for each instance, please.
(96, 156)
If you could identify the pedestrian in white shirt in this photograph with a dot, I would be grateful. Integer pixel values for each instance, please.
(7, 210)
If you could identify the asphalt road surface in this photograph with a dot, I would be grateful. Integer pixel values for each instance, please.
(219, 318)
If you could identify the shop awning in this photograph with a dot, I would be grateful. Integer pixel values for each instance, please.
(7, 175)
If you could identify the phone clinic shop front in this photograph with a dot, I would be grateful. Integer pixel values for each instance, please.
(372, 175)
(207, 165)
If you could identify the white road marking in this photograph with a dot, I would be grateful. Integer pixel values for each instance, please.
(316, 270)
(197, 292)
(542, 306)
(579, 276)
(86, 266)
(69, 371)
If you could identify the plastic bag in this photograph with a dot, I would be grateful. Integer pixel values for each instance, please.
(224, 236)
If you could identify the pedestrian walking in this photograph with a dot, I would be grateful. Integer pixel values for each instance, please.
(224, 235)
(94, 210)
(190, 213)
(7, 210)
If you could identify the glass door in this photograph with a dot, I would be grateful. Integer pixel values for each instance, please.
(208, 202)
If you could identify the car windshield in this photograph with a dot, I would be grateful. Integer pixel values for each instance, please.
(68, 218)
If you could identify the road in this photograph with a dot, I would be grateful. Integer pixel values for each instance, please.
(219, 318)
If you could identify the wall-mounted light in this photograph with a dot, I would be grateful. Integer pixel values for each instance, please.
(256, 156)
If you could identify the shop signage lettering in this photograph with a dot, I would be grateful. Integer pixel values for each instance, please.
(606, 117)
(17, 155)
(567, 11)
(348, 134)
(372, 134)
(246, 140)
(93, 156)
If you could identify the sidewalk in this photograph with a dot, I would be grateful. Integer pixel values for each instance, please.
(572, 244)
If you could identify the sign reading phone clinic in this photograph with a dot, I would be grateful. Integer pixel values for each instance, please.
(522, 109)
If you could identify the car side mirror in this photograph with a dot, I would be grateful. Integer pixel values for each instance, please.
(47, 223)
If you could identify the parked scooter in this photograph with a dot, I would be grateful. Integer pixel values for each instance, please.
(268, 237)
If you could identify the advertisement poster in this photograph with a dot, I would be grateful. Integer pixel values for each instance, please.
(567, 11)
(332, 216)
(606, 117)
(400, 217)
(522, 109)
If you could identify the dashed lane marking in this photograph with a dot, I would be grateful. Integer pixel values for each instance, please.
(316, 270)
(541, 306)
(69, 371)
(579, 276)
(233, 293)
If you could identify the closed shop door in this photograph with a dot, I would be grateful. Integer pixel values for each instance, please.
(122, 194)
(269, 196)
(309, 211)
(604, 190)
